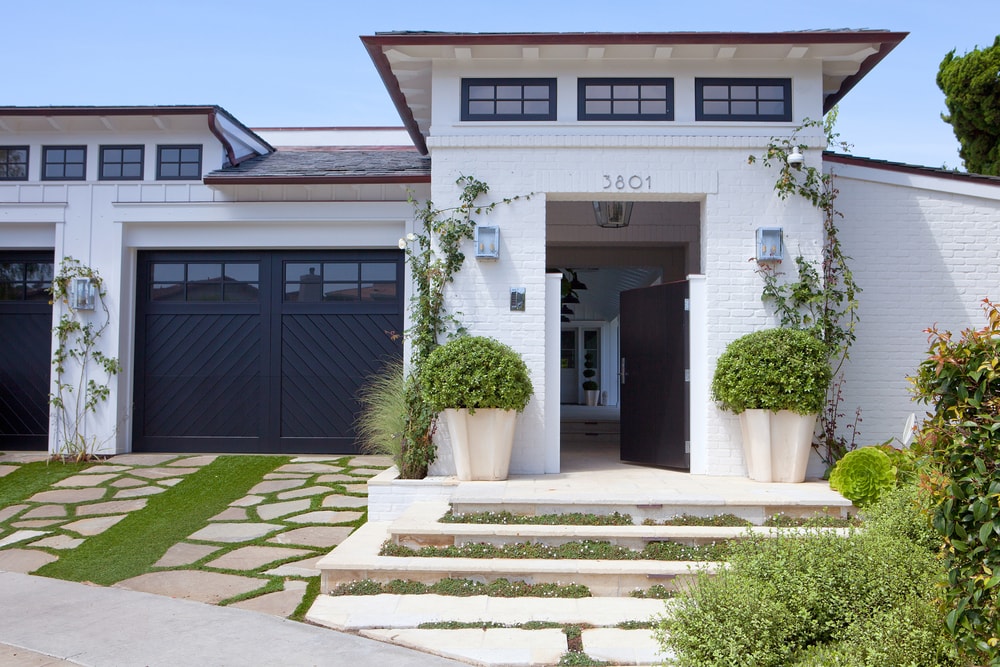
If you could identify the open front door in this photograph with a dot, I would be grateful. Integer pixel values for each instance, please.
(654, 391)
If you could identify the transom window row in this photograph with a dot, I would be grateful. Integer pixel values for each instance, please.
(637, 98)
(116, 162)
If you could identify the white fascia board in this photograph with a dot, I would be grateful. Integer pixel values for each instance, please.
(918, 181)
(269, 212)
(33, 213)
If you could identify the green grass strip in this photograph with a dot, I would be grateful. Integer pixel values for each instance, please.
(130, 547)
(31, 478)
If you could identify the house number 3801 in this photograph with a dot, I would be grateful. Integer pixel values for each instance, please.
(633, 182)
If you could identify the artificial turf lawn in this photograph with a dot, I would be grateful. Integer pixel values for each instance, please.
(130, 547)
(30, 478)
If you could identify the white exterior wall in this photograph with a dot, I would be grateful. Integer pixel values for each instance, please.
(104, 224)
(925, 251)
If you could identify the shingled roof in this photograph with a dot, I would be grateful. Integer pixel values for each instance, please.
(328, 165)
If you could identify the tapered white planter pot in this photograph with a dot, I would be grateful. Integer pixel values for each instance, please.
(482, 442)
(776, 445)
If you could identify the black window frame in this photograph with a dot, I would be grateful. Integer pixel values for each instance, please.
(25, 286)
(582, 99)
(180, 147)
(467, 84)
(46, 163)
(102, 161)
(699, 94)
(6, 163)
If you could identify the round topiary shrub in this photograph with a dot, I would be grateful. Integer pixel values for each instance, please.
(773, 369)
(475, 372)
(863, 476)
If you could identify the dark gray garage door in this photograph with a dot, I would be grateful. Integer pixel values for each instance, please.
(260, 351)
(25, 348)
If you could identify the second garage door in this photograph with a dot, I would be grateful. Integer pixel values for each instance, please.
(260, 351)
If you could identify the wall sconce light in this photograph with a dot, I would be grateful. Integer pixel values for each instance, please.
(82, 294)
(795, 159)
(770, 244)
(612, 214)
(487, 243)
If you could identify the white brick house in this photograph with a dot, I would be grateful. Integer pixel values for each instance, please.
(229, 343)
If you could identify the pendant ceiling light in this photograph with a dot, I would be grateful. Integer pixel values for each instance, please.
(612, 214)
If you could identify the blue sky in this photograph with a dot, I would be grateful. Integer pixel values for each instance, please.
(300, 62)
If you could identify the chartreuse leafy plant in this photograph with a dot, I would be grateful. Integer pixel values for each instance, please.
(773, 369)
(863, 475)
(82, 372)
(475, 372)
(960, 379)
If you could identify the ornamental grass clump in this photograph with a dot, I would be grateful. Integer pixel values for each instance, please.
(773, 369)
(863, 476)
(475, 372)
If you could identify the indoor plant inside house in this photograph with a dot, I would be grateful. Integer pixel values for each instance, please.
(776, 381)
(479, 385)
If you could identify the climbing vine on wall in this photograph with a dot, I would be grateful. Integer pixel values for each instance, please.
(823, 297)
(81, 371)
(434, 255)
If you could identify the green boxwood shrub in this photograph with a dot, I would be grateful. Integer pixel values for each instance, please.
(818, 599)
(475, 372)
(863, 475)
(773, 369)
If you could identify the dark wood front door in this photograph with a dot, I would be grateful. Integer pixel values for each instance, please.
(654, 387)
(261, 351)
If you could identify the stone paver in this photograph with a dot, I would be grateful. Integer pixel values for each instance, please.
(24, 561)
(127, 482)
(301, 493)
(69, 495)
(367, 472)
(499, 646)
(184, 553)
(336, 500)
(273, 485)
(36, 523)
(248, 501)
(194, 461)
(300, 568)
(143, 459)
(21, 536)
(233, 532)
(357, 488)
(251, 558)
(111, 507)
(162, 473)
(10, 511)
(6, 469)
(308, 467)
(313, 536)
(58, 542)
(286, 475)
(334, 478)
(85, 480)
(232, 514)
(279, 603)
(105, 468)
(210, 587)
(139, 492)
(95, 525)
(173, 481)
(375, 460)
(275, 510)
(45, 512)
(325, 516)
(625, 647)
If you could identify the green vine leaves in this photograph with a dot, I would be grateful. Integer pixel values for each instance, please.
(76, 358)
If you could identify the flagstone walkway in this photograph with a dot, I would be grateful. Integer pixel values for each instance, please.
(293, 517)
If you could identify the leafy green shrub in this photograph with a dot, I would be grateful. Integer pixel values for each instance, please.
(960, 378)
(863, 475)
(475, 372)
(382, 419)
(774, 369)
(784, 597)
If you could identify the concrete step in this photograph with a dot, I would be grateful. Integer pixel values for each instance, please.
(420, 526)
(395, 619)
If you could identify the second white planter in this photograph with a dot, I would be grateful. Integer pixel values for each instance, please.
(776, 445)
(482, 442)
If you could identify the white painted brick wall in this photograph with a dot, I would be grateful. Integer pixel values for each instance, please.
(922, 257)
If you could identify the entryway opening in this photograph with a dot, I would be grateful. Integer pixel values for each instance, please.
(623, 391)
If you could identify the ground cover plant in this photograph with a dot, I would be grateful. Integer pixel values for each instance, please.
(863, 599)
(568, 519)
(130, 547)
(499, 588)
(582, 549)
